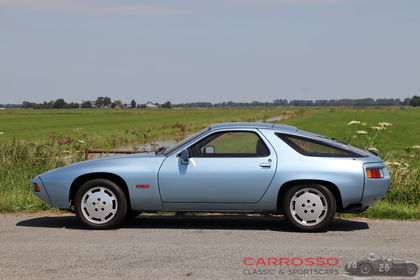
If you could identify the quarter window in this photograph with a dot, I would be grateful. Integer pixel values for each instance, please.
(314, 148)
(230, 144)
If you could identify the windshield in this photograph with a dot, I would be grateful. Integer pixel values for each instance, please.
(185, 141)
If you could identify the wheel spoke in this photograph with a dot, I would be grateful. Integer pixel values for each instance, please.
(308, 206)
(99, 204)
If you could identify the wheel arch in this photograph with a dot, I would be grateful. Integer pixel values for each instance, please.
(331, 186)
(79, 181)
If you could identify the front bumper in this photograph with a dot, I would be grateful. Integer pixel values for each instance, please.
(42, 194)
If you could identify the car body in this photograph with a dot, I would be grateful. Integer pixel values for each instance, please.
(381, 266)
(230, 167)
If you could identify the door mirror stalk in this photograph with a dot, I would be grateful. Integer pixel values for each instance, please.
(185, 157)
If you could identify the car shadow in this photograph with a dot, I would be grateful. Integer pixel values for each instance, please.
(228, 222)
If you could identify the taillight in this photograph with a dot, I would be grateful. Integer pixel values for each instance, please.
(374, 173)
(37, 188)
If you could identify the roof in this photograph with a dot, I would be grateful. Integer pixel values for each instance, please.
(253, 125)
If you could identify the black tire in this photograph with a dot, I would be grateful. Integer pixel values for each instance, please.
(411, 269)
(100, 204)
(365, 269)
(309, 207)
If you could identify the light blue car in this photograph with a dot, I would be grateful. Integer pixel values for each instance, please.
(231, 167)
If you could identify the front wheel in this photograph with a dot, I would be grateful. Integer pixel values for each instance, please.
(309, 207)
(365, 269)
(100, 204)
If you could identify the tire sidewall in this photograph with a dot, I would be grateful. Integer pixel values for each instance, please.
(331, 203)
(361, 269)
(119, 194)
(410, 265)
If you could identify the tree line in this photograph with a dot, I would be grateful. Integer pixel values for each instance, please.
(107, 102)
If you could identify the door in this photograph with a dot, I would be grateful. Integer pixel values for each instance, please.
(224, 167)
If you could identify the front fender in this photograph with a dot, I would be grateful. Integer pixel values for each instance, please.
(133, 170)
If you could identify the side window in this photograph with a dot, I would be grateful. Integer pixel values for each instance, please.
(230, 144)
(314, 148)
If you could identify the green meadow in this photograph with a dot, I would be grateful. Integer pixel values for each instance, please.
(33, 141)
(40, 125)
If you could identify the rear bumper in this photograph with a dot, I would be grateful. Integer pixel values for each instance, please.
(374, 188)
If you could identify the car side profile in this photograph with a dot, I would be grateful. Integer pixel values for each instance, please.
(230, 167)
(381, 266)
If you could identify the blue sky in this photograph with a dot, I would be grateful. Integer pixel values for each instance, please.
(208, 50)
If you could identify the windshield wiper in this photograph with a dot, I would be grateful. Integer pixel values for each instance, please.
(160, 150)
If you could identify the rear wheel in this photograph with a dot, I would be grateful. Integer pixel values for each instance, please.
(411, 269)
(309, 207)
(100, 204)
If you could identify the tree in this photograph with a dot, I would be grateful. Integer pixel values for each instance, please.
(118, 103)
(406, 101)
(73, 105)
(167, 105)
(133, 104)
(99, 103)
(86, 104)
(415, 101)
(59, 104)
(107, 101)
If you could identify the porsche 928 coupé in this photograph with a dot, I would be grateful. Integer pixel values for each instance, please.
(231, 167)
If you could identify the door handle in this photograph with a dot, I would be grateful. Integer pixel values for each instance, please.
(265, 164)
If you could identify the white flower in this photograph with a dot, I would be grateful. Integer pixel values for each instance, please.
(390, 163)
(415, 147)
(376, 127)
(385, 124)
(373, 149)
(353, 122)
(361, 132)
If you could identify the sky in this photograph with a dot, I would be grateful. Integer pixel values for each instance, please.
(208, 50)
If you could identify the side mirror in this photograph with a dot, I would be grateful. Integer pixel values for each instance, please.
(208, 150)
(185, 157)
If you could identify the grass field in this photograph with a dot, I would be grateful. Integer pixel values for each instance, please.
(33, 141)
(39, 125)
(404, 132)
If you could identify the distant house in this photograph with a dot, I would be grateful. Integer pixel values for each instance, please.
(150, 105)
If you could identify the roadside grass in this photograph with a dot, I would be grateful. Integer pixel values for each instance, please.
(34, 141)
(388, 210)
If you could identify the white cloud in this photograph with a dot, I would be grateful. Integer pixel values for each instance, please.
(101, 8)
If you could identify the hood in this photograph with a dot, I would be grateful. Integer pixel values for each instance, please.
(108, 163)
